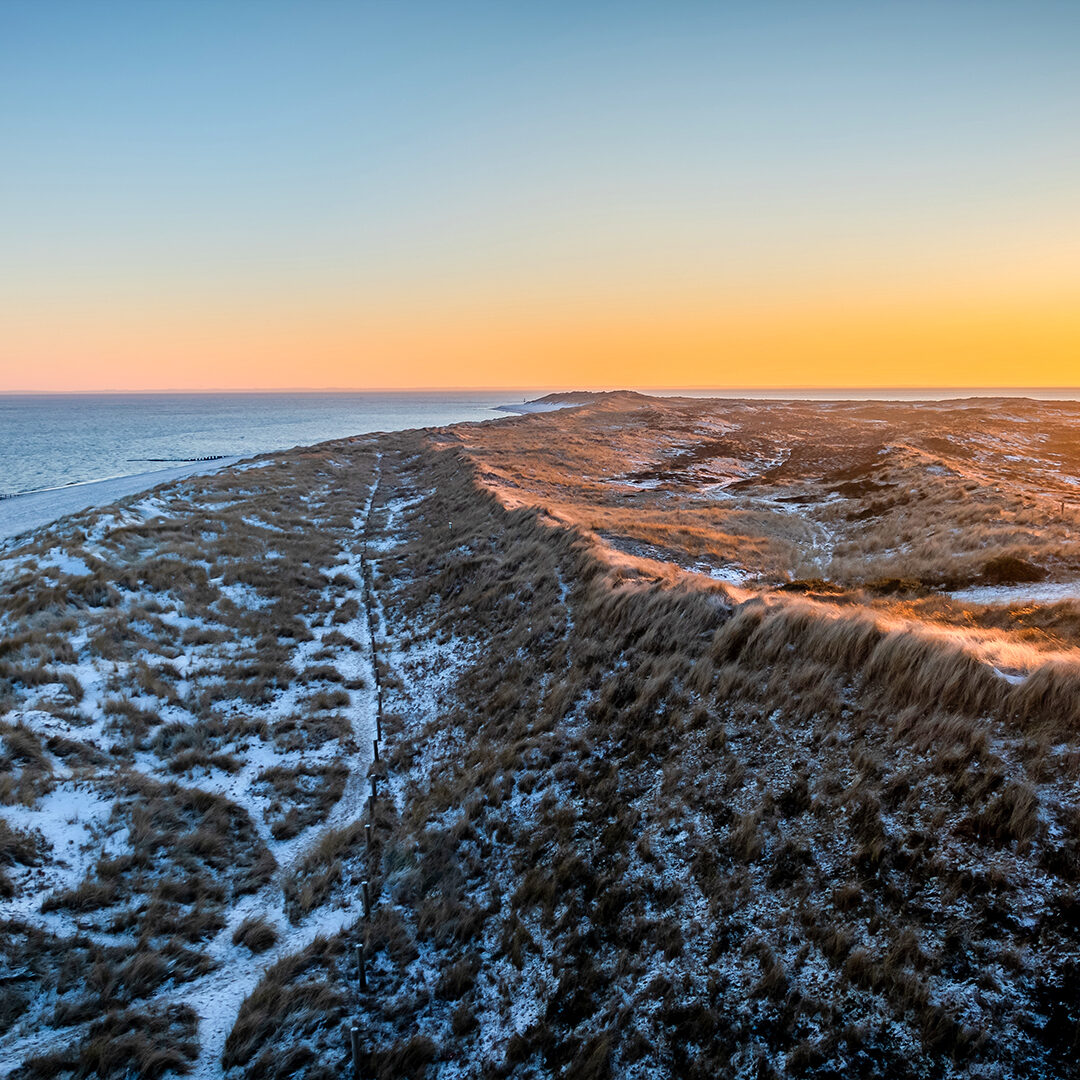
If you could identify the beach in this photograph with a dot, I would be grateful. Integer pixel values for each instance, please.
(25, 512)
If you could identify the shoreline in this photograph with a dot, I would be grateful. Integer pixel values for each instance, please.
(528, 407)
(21, 512)
(175, 462)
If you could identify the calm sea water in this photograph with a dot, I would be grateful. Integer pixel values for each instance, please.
(50, 440)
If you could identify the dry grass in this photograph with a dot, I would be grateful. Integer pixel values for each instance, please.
(293, 995)
(256, 933)
(190, 854)
(321, 870)
(782, 808)
(26, 771)
(143, 1043)
(302, 796)
(811, 833)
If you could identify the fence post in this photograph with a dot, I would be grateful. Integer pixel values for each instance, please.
(361, 967)
(354, 1040)
(375, 747)
(367, 900)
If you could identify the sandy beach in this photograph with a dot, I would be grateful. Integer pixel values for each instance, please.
(21, 513)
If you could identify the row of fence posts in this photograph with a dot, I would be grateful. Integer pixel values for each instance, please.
(369, 826)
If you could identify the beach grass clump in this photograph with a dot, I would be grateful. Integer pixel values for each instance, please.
(151, 1043)
(300, 797)
(323, 869)
(256, 933)
(189, 853)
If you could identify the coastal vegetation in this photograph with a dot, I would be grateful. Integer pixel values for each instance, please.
(715, 739)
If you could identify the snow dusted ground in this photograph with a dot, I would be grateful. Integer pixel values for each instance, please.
(628, 820)
(643, 827)
(79, 732)
(218, 996)
(21, 513)
(1044, 593)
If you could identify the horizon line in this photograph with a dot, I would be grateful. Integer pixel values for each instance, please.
(818, 387)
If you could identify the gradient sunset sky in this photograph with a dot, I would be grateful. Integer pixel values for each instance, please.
(250, 193)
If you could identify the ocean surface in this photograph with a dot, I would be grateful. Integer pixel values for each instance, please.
(55, 440)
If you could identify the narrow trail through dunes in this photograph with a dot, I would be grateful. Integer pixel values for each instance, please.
(217, 997)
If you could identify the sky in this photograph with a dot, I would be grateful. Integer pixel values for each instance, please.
(260, 194)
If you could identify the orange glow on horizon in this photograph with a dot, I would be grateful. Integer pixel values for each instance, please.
(1028, 343)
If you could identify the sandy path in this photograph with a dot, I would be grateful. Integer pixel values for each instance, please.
(217, 997)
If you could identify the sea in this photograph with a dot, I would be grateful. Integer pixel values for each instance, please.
(50, 441)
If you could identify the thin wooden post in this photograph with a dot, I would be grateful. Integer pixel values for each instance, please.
(354, 1040)
(367, 830)
(378, 725)
(375, 748)
(361, 967)
(373, 791)
(367, 900)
